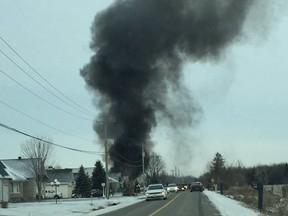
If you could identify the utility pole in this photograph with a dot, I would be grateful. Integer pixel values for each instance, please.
(176, 178)
(143, 155)
(106, 159)
(105, 124)
(172, 175)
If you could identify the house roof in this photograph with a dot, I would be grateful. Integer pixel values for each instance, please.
(113, 177)
(15, 175)
(88, 170)
(62, 175)
(17, 169)
(3, 173)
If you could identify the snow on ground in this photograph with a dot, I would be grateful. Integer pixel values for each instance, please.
(229, 207)
(75, 207)
(97, 206)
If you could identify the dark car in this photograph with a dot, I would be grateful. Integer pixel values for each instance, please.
(181, 188)
(196, 186)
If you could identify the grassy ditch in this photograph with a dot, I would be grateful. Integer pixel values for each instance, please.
(273, 205)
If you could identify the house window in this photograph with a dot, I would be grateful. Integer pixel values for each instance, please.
(15, 187)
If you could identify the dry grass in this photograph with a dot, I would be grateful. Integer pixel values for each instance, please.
(273, 205)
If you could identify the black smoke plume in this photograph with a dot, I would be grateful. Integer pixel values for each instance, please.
(140, 46)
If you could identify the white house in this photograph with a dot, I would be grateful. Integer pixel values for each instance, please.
(17, 180)
(4, 184)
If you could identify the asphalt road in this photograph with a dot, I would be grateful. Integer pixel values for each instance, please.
(178, 204)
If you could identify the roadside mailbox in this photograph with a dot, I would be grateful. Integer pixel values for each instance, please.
(259, 187)
(103, 185)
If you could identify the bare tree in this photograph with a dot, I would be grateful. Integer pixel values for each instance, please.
(155, 169)
(40, 153)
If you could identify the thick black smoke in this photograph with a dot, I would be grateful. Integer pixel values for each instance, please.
(139, 48)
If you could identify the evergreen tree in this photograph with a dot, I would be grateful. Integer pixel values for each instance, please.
(83, 187)
(98, 175)
(217, 166)
(285, 177)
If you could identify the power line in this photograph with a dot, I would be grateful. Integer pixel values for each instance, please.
(37, 81)
(32, 68)
(130, 161)
(48, 142)
(127, 165)
(64, 147)
(105, 121)
(39, 97)
(52, 93)
(67, 133)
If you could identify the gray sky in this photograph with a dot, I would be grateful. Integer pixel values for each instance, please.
(243, 95)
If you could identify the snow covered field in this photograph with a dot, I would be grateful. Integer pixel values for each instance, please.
(229, 207)
(96, 206)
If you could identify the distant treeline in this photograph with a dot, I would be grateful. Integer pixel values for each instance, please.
(239, 176)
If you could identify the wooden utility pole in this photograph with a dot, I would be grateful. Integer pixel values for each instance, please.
(107, 186)
(143, 171)
(106, 159)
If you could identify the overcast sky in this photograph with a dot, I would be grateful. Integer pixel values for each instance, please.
(243, 95)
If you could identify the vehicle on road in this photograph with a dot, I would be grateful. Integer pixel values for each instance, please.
(52, 194)
(172, 188)
(181, 188)
(196, 186)
(156, 191)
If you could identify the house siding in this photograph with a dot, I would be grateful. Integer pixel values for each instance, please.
(4, 190)
(64, 188)
(16, 190)
(27, 191)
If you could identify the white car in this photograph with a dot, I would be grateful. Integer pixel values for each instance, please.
(52, 194)
(172, 188)
(156, 191)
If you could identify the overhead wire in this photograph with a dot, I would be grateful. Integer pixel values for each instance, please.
(38, 96)
(125, 164)
(36, 80)
(41, 98)
(52, 86)
(65, 147)
(83, 110)
(48, 142)
(130, 161)
(47, 125)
